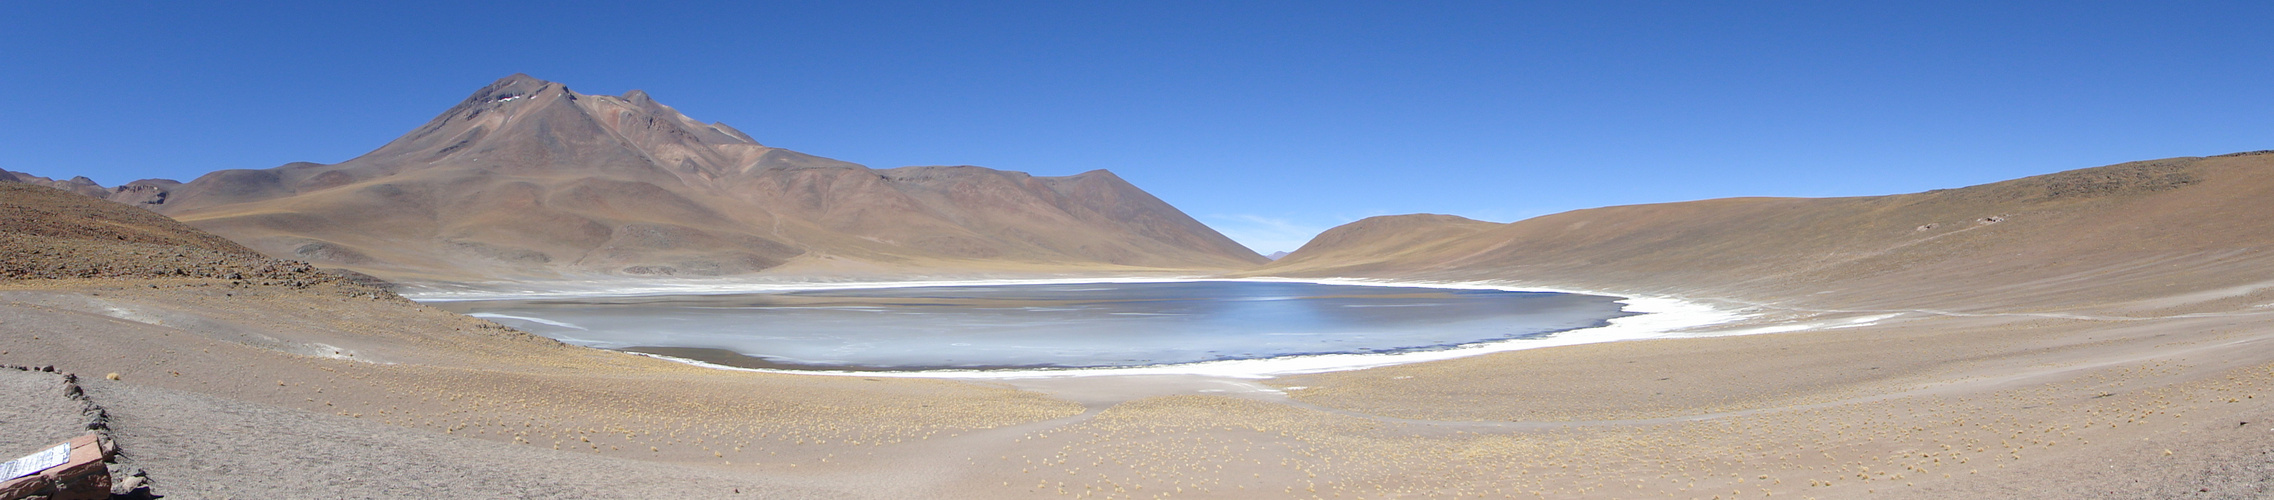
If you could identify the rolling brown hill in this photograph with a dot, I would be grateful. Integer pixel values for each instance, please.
(2172, 235)
(48, 233)
(527, 179)
(1381, 238)
(81, 184)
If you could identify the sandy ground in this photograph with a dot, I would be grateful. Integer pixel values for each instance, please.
(237, 392)
(398, 366)
(37, 415)
(1925, 408)
(218, 448)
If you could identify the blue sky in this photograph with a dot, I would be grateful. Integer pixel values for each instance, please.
(1268, 120)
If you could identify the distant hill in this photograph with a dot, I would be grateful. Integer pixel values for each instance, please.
(1380, 238)
(81, 185)
(2172, 235)
(49, 233)
(527, 179)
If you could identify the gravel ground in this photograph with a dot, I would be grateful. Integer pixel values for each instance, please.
(35, 413)
(197, 446)
(2252, 478)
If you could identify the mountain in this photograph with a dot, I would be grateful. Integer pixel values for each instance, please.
(528, 179)
(1381, 238)
(81, 184)
(1276, 255)
(2170, 236)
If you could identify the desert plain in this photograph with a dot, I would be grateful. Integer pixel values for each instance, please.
(2098, 333)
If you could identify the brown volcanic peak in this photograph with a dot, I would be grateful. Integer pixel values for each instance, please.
(2184, 233)
(526, 178)
(517, 125)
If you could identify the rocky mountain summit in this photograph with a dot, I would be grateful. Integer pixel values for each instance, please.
(528, 179)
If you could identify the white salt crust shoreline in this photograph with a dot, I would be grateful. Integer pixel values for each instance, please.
(1658, 317)
(626, 288)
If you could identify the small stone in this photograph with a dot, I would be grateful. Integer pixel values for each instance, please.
(112, 376)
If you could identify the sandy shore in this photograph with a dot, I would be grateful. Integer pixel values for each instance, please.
(250, 391)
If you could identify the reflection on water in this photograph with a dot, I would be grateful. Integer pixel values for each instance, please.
(1060, 325)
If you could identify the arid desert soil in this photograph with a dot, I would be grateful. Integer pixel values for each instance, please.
(215, 403)
(2133, 376)
(37, 415)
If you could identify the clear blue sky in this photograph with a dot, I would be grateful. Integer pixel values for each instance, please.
(1269, 121)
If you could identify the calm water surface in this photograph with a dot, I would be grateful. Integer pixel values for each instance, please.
(1046, 326)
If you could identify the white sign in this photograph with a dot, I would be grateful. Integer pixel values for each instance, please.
(36, 462)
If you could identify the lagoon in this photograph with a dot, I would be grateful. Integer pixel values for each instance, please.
(1047, 326)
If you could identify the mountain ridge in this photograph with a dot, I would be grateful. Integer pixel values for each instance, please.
(2164, 235)
(527, 179)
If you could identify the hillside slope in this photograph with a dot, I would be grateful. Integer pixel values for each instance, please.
(526, 178)
(2163, 236)
(226, 373)
(48, 233)
(1387, 238)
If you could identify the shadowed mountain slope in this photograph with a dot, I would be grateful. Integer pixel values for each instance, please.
(526, 178)
(2164, 236)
